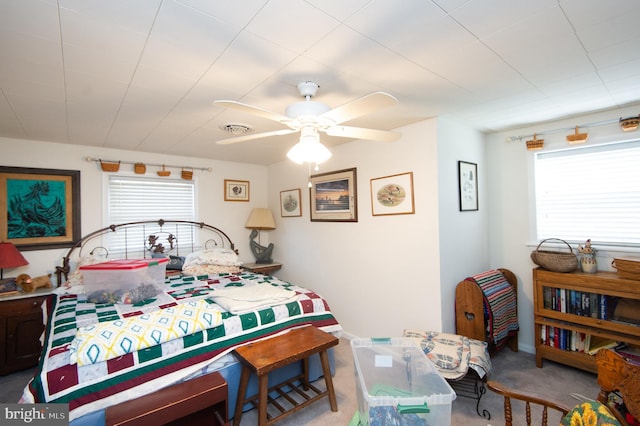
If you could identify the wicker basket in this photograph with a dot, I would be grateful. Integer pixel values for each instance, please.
(627, 267)
(555, 261)
(140, 168)
(163, 172)
(187, 173)
(109, 167)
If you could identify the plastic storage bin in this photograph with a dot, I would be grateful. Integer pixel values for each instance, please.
(398, 385)
(127, 281)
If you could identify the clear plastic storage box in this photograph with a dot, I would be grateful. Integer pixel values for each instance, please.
(124, 281)
(398, 385)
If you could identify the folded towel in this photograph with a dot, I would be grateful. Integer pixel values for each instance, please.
(238, 300)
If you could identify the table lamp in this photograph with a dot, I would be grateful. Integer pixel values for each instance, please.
(10, 257)
(260, 219)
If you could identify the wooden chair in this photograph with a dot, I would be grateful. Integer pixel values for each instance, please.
(615, 374)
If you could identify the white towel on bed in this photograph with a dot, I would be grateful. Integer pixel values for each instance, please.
(238, 300)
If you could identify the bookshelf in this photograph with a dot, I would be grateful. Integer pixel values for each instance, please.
(564, 313)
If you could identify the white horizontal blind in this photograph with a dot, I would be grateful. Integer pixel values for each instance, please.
(132, 199)
(590, 192)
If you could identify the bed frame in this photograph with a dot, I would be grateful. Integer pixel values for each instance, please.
(139, 240)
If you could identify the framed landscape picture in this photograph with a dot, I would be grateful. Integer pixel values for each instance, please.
(290, 203)
(392, 195)
(333, 196)
(41, 207)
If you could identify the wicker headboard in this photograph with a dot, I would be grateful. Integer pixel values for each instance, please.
(138, 240)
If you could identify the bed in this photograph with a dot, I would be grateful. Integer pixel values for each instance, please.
(232, 307)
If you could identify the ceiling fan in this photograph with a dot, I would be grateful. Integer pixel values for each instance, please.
(310, 117)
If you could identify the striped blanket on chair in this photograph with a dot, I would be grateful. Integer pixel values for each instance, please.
(499, 304)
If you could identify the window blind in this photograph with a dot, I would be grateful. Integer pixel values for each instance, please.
(589, 192)
(132, 199)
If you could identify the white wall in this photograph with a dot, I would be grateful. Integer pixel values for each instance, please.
(464, 242)
(512, 208)
(381, 274)
(212, 209)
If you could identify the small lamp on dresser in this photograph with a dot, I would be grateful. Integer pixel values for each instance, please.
(10, 257)
(260, 219)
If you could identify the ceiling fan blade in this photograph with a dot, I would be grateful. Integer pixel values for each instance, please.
(255, 136)
(361, 133)
(359, 107)
(269, 115)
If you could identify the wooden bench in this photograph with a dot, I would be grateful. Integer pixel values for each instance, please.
(198, 401)
(267, 355)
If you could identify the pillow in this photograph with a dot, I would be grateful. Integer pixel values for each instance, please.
(216, 256)
(175, 262)
(75, 278)
(197, 270)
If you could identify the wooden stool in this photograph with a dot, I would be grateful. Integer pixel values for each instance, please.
(267, 355)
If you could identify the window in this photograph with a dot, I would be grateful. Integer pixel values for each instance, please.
(590, 192)
(133, 199)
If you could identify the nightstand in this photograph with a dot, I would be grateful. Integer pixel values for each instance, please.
(20, 329)
(262, 268)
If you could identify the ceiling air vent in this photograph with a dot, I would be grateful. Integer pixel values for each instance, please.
(236, 128)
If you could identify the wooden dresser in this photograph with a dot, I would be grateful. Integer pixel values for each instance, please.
(20, 328)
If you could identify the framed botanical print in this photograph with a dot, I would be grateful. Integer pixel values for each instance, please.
(290, 203)
(468, 186)
(333, 196)
(41, 207)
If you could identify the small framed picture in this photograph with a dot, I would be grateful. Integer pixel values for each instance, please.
(392, 195)
(290, 203)
(333, 196)
(236, 190)
(468, 186)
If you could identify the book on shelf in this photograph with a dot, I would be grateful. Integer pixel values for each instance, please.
(594, 343)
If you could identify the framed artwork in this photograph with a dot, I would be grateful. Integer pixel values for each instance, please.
(290, 203)
(392, 195)
(236, 190)
(333, 196)
(41, 207)
(468, 186)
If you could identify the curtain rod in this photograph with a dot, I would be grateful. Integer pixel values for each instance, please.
(564, 129)
(98, 160)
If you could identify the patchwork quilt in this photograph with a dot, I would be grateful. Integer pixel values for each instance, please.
(125, 373)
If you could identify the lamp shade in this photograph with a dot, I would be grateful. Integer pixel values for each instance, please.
(10, 257)
(309, 149)
(260, 218)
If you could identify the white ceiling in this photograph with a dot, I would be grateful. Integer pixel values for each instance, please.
(142, 75)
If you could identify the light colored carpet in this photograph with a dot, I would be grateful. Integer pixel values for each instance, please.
(516, 369)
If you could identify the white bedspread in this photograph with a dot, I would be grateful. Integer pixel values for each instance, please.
(238, 300)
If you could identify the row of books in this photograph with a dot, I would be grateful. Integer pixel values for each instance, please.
(576, 302)
(576, 341)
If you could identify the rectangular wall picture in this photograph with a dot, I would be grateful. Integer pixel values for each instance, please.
(333, 196)
(41, 207)
(290, 203)
(468, 186)
(236, 190)
(392, 195)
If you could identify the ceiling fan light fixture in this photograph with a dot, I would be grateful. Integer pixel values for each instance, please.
(309, 149)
